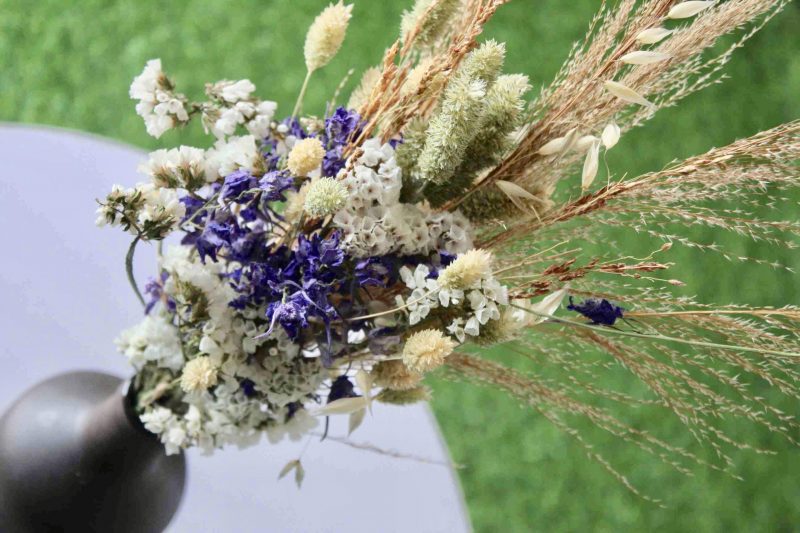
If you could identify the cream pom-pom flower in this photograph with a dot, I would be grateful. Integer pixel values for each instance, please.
(427, 349)
(324, 197)
(468, 268)
(199, 374)
(306, 156)
(326, 34)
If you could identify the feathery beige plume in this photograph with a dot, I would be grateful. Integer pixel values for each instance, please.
(326, 34)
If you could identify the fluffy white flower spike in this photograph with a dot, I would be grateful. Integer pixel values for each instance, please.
(326, 34)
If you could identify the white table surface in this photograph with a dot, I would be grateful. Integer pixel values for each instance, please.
(65, 298)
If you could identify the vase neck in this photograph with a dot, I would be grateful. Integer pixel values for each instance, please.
(113, 424)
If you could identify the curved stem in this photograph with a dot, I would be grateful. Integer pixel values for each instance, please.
(129, 268)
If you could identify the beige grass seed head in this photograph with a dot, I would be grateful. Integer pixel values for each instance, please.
(326, 34)
(361, 94)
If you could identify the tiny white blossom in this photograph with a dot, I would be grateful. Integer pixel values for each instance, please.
(235, 91)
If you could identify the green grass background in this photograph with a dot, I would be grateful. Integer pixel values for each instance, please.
(70, 64)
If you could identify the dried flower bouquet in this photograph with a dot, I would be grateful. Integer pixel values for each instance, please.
(328, 263)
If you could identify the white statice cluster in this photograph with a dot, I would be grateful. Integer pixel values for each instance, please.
(153, 340)
(374, 221)
(224, 414)
(183, 167)
(236, 106)
(145, 209)
(191, 168)
(159, 106)
(483, 300)
(225, 418)
(230, 155)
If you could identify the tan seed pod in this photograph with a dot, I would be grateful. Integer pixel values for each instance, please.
(552, 147)
(584, 143)
(521, 198)
(590, 165)
(644, 57)
(689, 9)
(610, 135)
(627, 94)
(652, 35)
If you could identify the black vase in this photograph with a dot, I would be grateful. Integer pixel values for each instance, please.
(73, 457)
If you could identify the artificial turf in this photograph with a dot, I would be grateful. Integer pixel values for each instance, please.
(70, 64)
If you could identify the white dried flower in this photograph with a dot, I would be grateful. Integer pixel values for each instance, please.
(182, 167)
(259, 124)
(159, 106)
(325, 36)
(468, 268)
(233, 154)
(199, 374)
(306, 156)
(160, 212)
(324, 197)
(235, 91)
(153, 340)
(427, 349)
